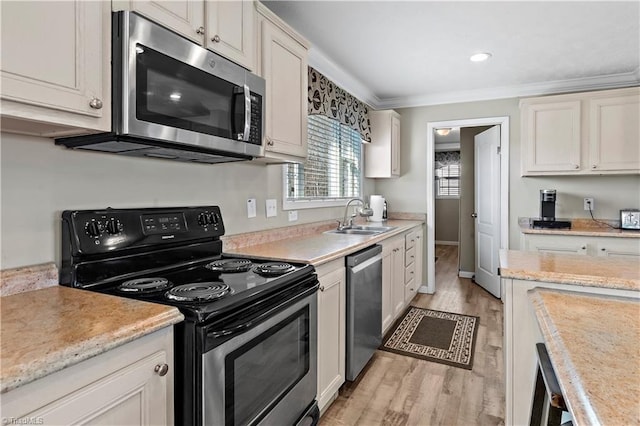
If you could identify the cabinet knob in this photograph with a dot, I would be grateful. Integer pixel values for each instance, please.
(161, 369)
(269, 142)
(603, 249)
(200, 30)
(583, 248)
(321, 288)
(474, 215)
(215, 38)
(95, 103)
(575, 166)
(594, 167)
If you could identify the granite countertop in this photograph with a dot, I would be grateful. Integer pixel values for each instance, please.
(46, 330)
(581, 227)
(319, 248)
(571, 269)
(593, 343)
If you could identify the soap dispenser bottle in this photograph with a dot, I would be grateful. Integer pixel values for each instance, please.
(384, 210)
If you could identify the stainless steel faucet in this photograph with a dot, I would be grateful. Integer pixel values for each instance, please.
(365, 212)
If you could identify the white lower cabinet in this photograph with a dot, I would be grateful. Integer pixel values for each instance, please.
(394, 282)
(331, 330)
(132, 384)
(583, 245)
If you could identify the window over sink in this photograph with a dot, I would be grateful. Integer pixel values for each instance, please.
(332, 172)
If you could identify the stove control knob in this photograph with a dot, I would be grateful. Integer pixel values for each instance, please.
(93, 228)
(202, 219)
(215, 218)
(114, 226)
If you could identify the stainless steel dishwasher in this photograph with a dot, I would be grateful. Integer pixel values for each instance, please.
(364, 308)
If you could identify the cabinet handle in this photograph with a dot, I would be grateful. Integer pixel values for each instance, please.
(95, 103)
(161, 369)
(215, 38)
(321, 288)
(200, 30)
(474, 215)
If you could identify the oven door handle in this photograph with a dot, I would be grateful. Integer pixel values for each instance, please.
(246, 324)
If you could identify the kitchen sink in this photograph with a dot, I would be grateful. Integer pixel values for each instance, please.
(362, 230)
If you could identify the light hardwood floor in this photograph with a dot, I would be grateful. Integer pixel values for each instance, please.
(400, 390)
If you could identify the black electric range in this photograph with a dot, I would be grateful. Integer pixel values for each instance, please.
(174, 256)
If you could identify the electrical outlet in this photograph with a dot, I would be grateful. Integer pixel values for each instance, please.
(588, 204)
(251, 207)
(293, 215)
(271, 208)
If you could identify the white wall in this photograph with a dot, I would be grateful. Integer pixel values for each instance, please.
(408, 192)
(39, 180)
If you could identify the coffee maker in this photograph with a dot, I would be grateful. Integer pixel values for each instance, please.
(548, 212)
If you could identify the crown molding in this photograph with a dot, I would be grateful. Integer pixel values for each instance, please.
(342, 78)
(611, 81)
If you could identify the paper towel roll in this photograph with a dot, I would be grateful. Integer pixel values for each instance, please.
(377, 205)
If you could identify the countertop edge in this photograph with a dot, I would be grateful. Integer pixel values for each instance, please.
(81, 351)
(582, 232)
(569, 380)
(572, 279)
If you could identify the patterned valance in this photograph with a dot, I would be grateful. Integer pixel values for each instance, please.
(327, 99)
(446, 158)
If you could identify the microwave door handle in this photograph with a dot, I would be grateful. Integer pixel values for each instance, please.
(247, 113)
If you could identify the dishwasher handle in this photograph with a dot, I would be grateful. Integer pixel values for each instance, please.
(366, 263)
(356, 258)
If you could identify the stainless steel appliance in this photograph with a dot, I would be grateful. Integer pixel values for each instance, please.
(630, 219)
(364, 308)
(246, 353)
(175, 100)
(548, 212)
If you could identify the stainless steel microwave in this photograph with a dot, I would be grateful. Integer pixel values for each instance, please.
(173, 99)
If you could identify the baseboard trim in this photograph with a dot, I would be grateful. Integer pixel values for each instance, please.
(447, 243)
(466, 274)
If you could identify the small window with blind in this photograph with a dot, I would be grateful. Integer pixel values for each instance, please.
(447, 174)
(332, 172)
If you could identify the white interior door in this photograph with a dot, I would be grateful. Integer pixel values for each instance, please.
(487, 209)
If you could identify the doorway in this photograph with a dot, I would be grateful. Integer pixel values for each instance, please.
(503, 122)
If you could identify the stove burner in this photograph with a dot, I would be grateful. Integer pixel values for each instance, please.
(230, 265)
(273, 269)
(199, 292)
(144, 285)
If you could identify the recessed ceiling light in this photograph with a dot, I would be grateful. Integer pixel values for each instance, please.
(480, 57)
(175, 96)
(443, 132)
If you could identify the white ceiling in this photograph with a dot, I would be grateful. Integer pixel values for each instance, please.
(409, 53)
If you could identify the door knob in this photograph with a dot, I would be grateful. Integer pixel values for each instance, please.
(474, 215)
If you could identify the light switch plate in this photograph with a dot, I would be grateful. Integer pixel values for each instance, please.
(251, 207)
(293, 215)
(271, 207)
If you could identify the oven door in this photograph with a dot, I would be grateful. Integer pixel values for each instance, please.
(169, 88)
(265, 373)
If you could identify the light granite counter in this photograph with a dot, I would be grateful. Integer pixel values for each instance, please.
(618, 273)
(581, 227)
(317, 247)
(49, 329)
(594, 346)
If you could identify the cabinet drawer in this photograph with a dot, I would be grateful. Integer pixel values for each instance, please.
(409, 272)
(410, 240)
(410, 290)
(410, 256)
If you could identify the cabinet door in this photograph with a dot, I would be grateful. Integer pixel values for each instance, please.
(387, 290)
(395, 145)
(628, 248)
(284, 67)
(185, 17)
(556, 244)
(56, 73)
(615, 133)
(551, 137)
(398, 268)
(331, 335)
(229, 30)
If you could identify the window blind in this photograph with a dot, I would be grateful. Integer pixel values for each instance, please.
(332, 170)
(448, 181)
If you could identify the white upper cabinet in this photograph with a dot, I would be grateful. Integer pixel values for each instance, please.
(55, 78)
(581, 133)
(185, 17)
(615, 132)
(229, 30)
(382, 155)
(225, 27)
(283, 64)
